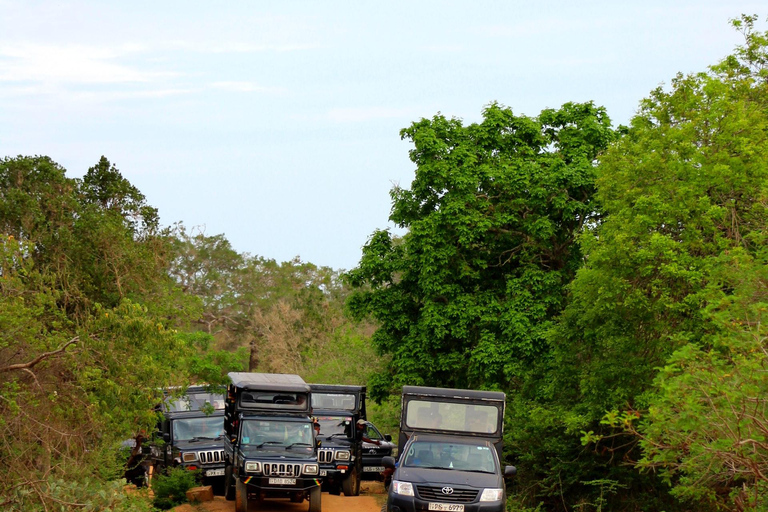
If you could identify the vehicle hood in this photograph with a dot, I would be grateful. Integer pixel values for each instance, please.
(201, 445)
(335, 442)
(279, 455)
(438, 477)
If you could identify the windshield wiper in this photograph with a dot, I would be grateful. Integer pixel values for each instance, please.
(297, 444)
(200, 438)
(268, 442)
(338, 434)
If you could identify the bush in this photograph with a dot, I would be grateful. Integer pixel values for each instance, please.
(171, 489)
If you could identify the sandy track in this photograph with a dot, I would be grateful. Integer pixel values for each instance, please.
(370, 500)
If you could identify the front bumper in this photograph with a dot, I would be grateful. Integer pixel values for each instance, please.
(208, 471)
(264, 484)
(400, 503)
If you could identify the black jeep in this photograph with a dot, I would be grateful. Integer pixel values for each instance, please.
(337, 410)
(270, 446)
(191, 434)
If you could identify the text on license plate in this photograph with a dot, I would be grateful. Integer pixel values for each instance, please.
(450, 507)
(285, 481)
(215, 472)
(373, 469)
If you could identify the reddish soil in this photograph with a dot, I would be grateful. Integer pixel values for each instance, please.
(372, 496)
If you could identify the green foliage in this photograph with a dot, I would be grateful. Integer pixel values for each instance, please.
(170, 489)
(465, 297)
(674, 279)
(87, 494)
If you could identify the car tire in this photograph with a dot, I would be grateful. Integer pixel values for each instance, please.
(315, 495)
(241, 496)
(229, 485)
(351, 484)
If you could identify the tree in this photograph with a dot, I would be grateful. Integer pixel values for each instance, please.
(87, 331)
(674, 280)
(465, 298)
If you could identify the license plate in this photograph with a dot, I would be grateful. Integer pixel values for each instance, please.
(215, 472)
(373, 469)
(282, 481)
(323, 472)
(449, 507)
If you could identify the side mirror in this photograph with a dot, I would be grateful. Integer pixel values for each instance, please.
(388, 437)
(388, 462)
(166, 437)
(509, 471)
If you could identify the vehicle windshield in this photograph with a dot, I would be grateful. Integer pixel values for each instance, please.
(277, 434)
(335, 425)
(337, 401)
(442, 455)
(209, 427)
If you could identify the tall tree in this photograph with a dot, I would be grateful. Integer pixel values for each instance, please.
(465, 297)
(674, 278)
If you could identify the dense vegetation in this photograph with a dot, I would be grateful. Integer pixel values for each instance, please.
(101, 308)
(611, 281)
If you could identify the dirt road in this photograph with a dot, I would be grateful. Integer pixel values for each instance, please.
(371, 498)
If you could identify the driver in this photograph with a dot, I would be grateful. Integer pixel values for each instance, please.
(361, 426)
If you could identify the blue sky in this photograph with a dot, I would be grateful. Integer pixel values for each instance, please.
(277, 123)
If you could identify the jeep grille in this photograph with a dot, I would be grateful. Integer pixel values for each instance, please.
(211, 456)
(275, 469)
(325, 456)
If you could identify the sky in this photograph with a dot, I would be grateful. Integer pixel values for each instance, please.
(278, 123)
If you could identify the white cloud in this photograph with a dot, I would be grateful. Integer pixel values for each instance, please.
(74, 64)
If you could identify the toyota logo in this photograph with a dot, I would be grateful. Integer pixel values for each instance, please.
(447, 490)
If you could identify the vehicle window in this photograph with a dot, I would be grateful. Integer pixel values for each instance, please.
(198, 428)
(330, 425)
(269, 400)
(342, 401)
(372, 433)
(193, 402)
(460, 457)
(459, 417)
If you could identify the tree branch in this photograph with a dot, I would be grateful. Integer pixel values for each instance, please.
(35, 361)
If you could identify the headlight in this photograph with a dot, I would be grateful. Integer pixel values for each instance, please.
(253, 467)
(342, 455)
(189, 457)
(310, 469)
(403, 488)
(492, 495)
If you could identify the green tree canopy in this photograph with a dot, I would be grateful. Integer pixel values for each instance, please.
(465, 297)
(675, 278)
